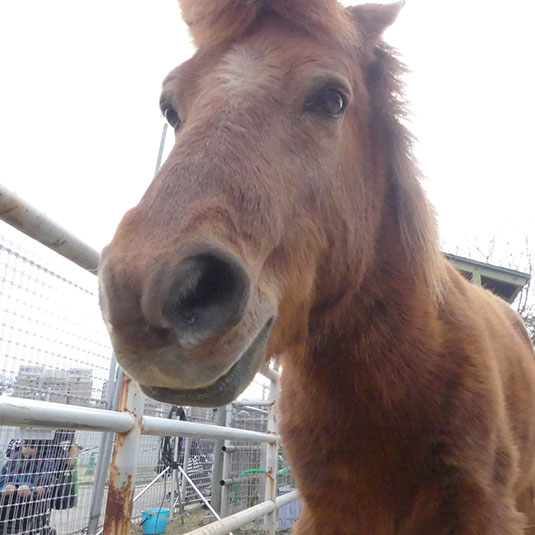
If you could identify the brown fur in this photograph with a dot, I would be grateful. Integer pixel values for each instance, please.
(408, 394)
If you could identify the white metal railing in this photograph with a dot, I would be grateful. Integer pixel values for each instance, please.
(31, 412)
(129, 423)
(238, 520)
(42, 414)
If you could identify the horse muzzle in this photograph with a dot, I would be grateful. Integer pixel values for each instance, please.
(189, 327)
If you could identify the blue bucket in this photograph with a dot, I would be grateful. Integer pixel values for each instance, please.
(154, 521)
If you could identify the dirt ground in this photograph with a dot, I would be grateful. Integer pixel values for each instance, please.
(194, 520)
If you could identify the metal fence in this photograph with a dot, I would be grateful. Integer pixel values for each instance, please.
(53, 347)
(54, 350)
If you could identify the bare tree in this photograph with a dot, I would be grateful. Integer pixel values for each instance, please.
(525, 302)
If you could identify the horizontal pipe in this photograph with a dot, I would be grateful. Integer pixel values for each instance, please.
(241, 479)
(24, 217)
(237, 520)
(285, 499)
(34, 413)
(254, 409)
(232, 449)
(252, 403)
(272, 375)
(165, 427)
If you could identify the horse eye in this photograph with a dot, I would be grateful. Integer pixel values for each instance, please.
(172, 117)
(330, 101)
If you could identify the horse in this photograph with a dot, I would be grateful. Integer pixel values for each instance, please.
(289, 219)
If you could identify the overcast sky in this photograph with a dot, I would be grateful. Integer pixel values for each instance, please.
(80, 124)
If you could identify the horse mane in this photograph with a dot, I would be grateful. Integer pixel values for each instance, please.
(214, 22)
(415, 215)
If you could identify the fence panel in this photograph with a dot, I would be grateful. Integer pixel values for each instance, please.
(54, 347)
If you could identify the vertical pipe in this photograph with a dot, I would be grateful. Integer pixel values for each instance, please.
(270, 520)
(124, 462)
(183, 486)
(217, 469)
(104, 450)
(174, 486)
(226, 466)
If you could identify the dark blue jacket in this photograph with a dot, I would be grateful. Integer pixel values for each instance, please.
(31, 471)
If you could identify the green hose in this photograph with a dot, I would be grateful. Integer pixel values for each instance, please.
(256, 470)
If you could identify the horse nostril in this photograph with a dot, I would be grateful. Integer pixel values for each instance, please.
(209, 293)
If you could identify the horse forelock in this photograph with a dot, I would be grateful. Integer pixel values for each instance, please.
(212, 22)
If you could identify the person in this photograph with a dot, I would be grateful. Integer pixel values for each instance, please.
(24, 473)
(25, 490)
(65, 479)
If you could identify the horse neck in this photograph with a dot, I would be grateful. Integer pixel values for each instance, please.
(381, 338)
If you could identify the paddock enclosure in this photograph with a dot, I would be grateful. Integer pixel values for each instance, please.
(289, 221)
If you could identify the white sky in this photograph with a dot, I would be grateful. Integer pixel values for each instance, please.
(80, 124)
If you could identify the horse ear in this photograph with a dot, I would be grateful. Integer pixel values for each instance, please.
(214, 21)
(374, 19)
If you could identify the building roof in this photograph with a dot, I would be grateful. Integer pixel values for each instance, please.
(504, 282)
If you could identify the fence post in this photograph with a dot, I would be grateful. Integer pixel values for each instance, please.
(174, 482)
(115, 378)
(217, 469)
(124, 463)
(270, 520)
(184, 483)
(226, 465)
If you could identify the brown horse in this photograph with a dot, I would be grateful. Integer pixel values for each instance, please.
(289, 219)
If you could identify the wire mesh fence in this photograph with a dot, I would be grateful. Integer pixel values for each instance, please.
(245, 474)
(54, 347)
(53, 343)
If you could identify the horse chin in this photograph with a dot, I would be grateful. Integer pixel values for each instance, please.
(225, 389)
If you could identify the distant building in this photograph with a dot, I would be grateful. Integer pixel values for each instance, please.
(79, 386)
(28, 382)
(503, 282)
(72, 386)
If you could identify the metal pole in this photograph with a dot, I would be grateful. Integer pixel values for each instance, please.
(247, 403)
(44, 414)
(237, 520)
(24, 217)
(104, 450)
(270, 374)
(162, 145)
(173, 482)
(270, 520)
(187, 449)
(166, 427)
(217, 469)
(226, 465)
(124, 463)
(232, 449)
